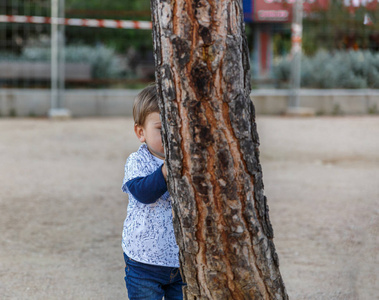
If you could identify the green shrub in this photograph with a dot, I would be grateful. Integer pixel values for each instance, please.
(104, 61)
(340, 69)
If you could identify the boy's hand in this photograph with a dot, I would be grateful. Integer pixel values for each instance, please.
(164, 171)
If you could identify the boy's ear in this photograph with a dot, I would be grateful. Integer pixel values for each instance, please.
(140, 133)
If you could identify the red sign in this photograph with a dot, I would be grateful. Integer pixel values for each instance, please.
(272, 10)
(281, 10)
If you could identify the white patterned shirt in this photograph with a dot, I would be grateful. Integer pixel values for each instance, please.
(148, 235)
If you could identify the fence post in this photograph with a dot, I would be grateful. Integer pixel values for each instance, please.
(296, 39)
(294, 107)
(58, 60)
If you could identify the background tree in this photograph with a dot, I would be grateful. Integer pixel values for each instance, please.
(220, 212)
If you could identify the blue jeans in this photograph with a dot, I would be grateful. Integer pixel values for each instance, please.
(149, 282)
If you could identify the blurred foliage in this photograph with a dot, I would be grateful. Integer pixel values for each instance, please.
(338, 69)
(28, 8)
(115, 5)
(103, 61)
(116, 53)
(338, 28)
(281, 43)
(120, 39)
(335, 28)
(15, 34)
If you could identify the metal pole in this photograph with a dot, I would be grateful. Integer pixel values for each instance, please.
(54, 54)
(61, 54)
(297, 30)
(58, 60)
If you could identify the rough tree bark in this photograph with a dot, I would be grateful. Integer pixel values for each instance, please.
(220, 212)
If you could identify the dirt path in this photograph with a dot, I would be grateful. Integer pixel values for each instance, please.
(62, 208)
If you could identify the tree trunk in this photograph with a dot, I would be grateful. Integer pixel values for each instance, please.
(220, 212)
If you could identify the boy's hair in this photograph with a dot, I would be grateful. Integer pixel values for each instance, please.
(145, 103)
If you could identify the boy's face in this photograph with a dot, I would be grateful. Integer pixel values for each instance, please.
(150, 133)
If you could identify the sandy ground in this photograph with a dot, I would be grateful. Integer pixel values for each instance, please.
(62, 208)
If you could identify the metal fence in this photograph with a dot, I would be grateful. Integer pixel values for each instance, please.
(106, 47)
(101, 48)
(18, 41)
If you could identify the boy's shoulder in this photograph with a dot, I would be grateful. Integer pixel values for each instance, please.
(140, 163)
(142, 154)
(142, 157)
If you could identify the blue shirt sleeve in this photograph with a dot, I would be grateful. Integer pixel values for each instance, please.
(148, 189)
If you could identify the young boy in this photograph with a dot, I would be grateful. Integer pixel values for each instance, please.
(150, 250)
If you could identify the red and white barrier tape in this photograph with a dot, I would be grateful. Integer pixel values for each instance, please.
(77, 22)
